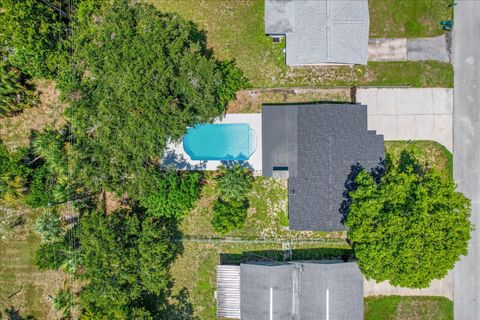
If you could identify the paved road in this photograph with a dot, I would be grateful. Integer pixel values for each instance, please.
(466, 146)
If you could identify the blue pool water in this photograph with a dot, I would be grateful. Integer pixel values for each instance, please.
(229, 141)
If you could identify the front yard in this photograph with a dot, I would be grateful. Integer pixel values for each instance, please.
(235, 30)
(408, 308)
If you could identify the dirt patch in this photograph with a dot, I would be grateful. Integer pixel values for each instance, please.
(250, 101)
(15, 131)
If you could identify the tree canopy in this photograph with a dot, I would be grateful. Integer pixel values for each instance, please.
(126, 257)
(141, 78)
(409, 226)
(32, 31)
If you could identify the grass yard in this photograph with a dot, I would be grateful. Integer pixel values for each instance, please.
(429, 153)
(15, 131)
(408, 308)
(408, 18)
(267, 215)
(195, 269)
(235, 30)
(18, 271)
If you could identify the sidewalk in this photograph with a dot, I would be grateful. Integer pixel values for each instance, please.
(443, 287)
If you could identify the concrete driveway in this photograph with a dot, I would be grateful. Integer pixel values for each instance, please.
(410, 113)
(403, 49)
(466, 156)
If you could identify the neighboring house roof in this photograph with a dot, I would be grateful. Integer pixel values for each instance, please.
(319, 144)
(301, 290)
(320, 31)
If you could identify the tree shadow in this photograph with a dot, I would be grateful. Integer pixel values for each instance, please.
(280, 256)
(350, 185)
(179, 307)
(13, 314)
(232, 163)
(178, 161)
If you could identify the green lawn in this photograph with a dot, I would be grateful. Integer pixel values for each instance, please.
(408, 308)
(408, 18)
(18, 271)
(429, 153)
(235, 30)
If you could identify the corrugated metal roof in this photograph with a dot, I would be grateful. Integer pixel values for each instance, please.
(228, 291)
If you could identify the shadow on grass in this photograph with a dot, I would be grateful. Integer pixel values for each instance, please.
(287, 255)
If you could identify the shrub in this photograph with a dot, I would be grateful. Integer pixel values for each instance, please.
(229, 216)
(408, 227)
(63, 302)
(174, 194)
(233, 182)
(51, 255)
(13, 172)
(40, 188)
(48, 226)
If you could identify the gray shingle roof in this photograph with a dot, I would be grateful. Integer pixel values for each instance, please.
(321, 31)
(301, 290)
(320, 143)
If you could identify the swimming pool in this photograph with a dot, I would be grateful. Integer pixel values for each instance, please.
(227, 141)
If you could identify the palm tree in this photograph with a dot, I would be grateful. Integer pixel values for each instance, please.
(233, 182)
(15, 94)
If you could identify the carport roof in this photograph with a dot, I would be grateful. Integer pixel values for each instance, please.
(301, 290)
(320, 31)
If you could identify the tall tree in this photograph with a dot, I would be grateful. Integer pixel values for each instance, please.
(410, 226)
(32, 31)
(140, 78)
(125, 258)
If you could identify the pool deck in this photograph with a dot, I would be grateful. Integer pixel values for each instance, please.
(177, 157)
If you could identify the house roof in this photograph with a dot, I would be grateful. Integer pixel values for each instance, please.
(319, 144)
(301, 290)
(320, 31)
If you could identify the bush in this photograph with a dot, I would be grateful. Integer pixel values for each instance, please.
(40, 188)
(229, 216)
(408, 227)
(48, 226)
(13, 172)
(51, 255)
(173, 195)
(63, 302)
(233, 182)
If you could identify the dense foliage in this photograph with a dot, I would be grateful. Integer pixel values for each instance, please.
(409, 226)
(171, 194)
(234, 182)
(229, 216)
(32, 31)
(125, 257)
(143, 77)
(52, 255)
(48, 226)
(15, 91)
(13, 173)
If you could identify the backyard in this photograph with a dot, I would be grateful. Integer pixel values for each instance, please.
(235, 30)
(266, 224)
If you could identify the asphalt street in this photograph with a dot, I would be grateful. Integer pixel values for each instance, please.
(466, 148)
